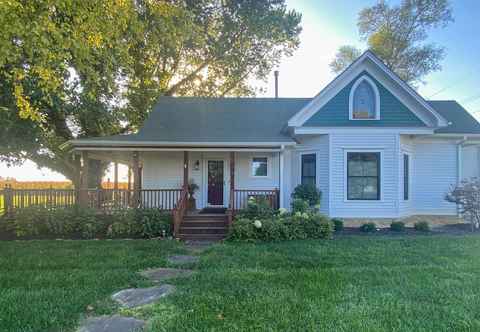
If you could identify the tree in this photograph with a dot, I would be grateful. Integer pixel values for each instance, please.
(397, 33)
(95, 68)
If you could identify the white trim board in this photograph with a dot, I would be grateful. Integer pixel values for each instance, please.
(79, 143)
(362, 130)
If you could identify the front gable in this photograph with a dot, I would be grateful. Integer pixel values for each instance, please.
(399, 104)
(392, 112)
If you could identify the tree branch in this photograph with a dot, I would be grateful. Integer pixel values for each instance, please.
(177, 85)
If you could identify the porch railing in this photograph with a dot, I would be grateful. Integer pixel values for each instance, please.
(239, 199)
(102, 199)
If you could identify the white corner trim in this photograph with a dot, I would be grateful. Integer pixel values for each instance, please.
(351, 97)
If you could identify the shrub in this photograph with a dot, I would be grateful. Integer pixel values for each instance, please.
(368, 227)
(153, 222)
(397, 226)
(31, 221)
(318, 227)
(422, 226)
(278, 228)
(309, 193)
(257, 208)
(338, 224)
(82, 222)
(300, 205)
(123, 224)
(243, 229)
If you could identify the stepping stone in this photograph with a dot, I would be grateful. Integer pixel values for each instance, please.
(198, 246)
(112, 324)
(182, 259)
(135, 297)
(162, 273)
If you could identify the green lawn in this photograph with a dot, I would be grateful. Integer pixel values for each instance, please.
(364, 283)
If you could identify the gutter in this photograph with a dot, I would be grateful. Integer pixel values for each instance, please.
(459, 158)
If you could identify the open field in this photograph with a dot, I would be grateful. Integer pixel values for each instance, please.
(353, 283)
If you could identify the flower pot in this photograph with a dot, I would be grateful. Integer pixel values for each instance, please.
(192, 204)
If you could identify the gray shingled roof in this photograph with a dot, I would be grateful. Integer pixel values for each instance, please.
(462, 122)
(192, 119)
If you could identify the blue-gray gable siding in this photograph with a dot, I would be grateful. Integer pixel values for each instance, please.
(393, 113)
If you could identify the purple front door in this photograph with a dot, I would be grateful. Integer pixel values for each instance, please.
(215, 182)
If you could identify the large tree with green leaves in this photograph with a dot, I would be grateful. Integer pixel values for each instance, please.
(91, 68)
(397, 35)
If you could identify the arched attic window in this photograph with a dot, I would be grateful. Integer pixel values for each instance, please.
(364, 100)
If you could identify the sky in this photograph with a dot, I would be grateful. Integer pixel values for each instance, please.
(327, 25)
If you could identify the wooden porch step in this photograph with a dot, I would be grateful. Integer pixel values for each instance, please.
(203, 230)
(204, 223)
(202, 237)
(205, 217)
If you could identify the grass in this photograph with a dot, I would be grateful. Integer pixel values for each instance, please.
(422, 283)
(48, 285)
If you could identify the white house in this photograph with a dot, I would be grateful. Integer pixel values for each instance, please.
(372, 145)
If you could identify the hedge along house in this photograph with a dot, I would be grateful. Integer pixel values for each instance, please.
(368, 141)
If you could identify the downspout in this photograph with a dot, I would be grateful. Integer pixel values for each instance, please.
(460, 166)
(280, 174)
(459, 159)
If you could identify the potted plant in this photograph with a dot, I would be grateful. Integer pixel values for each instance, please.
(192, 188)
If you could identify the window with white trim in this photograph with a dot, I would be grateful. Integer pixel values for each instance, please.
(364, 100)
(259, 167)
(363, 176)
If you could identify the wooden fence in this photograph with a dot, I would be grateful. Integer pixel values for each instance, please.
(101, 199)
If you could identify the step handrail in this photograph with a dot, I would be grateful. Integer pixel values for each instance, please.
(179, 212)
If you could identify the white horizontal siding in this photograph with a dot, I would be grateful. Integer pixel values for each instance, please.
(387, 207)
(435, 173)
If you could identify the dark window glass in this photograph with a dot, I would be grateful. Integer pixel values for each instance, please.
(406, 177)
(260, 166)
(309, 169)
(363, 176)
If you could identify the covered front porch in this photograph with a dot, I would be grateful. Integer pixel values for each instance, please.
(225, 179)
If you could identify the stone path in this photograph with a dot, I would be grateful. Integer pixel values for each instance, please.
(198, 246)
(135, 297)
(182, 259)
(115, 323)
(164, 273)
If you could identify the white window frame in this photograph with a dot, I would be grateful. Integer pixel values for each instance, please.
(345, 176)
(352, 94)
(269, 170)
